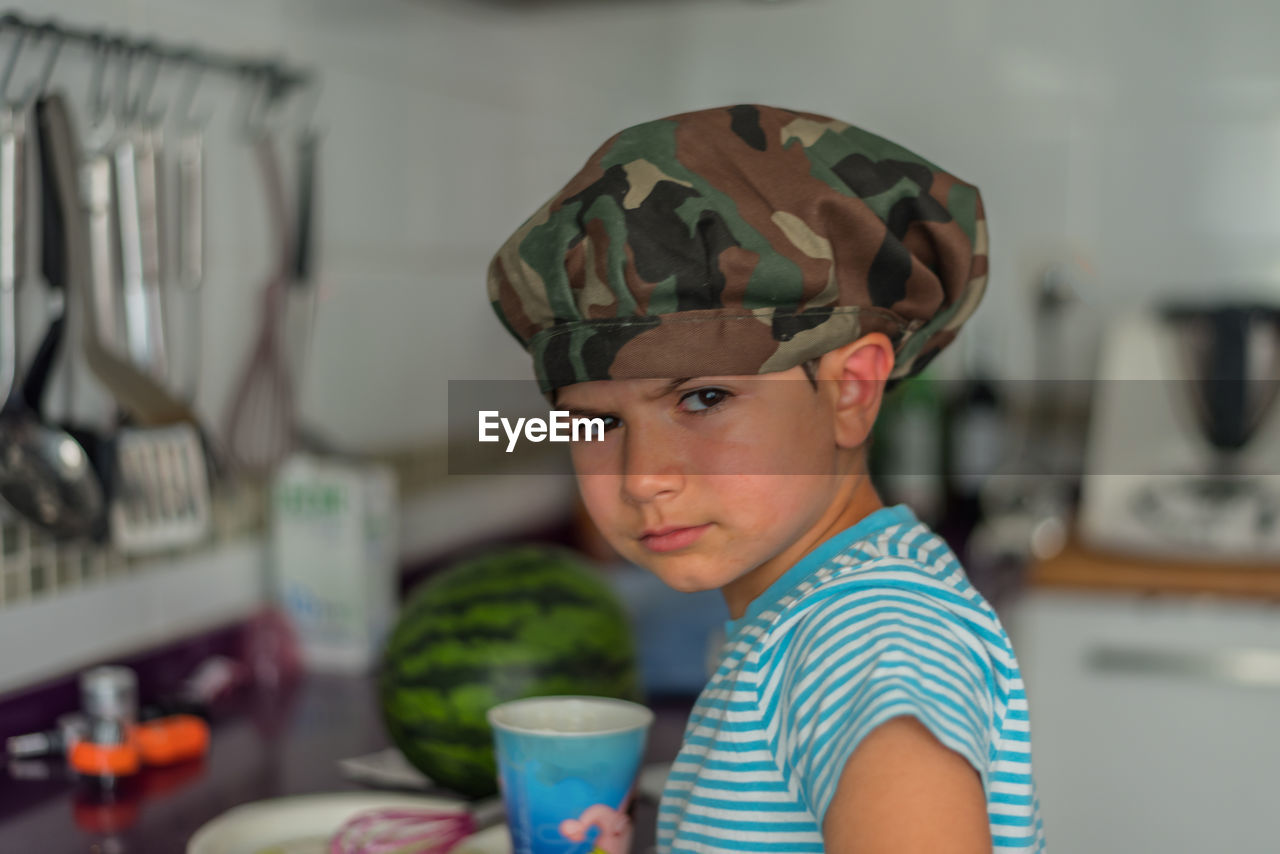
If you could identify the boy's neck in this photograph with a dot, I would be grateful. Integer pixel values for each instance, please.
(857, 501)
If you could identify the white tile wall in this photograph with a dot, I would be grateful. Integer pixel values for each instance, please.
(1140, 139)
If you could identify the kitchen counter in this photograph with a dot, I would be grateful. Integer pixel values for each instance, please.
(276, 745)
(1153, 692)
(1081, 568)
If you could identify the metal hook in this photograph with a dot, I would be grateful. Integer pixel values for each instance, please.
(147, 87)
(187, 95)
(47, 72)
(309, 101)
(125, 67)
(259, 98)
(99, 104)
(5, 79)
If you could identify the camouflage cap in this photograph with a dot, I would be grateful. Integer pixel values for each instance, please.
(740, 240)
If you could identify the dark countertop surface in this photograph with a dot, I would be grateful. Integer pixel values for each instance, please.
(274, 745)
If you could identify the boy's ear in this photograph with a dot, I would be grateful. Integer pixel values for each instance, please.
(859, 370)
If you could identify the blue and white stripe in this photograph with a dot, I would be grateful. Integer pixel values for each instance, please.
(879, 621)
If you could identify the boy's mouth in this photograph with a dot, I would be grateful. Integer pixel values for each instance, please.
(672, 537)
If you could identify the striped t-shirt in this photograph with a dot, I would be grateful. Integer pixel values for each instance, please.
(878, 621)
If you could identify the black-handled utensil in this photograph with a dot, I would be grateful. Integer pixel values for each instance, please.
(308, 149)
(45, 473)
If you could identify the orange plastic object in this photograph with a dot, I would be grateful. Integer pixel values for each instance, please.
(104, 760)
(172, 739)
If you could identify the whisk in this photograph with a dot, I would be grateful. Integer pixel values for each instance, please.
(261, 428)
(403, 831)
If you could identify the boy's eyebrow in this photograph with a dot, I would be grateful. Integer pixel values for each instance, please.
(670, 387)
(576, 412)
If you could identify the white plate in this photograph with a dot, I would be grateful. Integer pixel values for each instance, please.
(304, 824)
(493, 840)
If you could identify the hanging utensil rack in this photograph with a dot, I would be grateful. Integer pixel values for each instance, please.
(33, 564)
(281, 78)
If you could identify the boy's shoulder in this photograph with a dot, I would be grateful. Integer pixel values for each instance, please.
(897, 550)
(898, 596)
(901, 571)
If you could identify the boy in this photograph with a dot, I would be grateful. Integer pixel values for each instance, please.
(731, 290)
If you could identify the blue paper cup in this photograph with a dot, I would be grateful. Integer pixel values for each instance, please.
(566, 767)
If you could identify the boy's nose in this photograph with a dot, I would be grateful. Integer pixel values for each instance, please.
(651, 467)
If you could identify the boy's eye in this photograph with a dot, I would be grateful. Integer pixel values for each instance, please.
(610, 422)
(700, 400)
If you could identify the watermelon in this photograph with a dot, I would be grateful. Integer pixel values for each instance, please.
(511, 623)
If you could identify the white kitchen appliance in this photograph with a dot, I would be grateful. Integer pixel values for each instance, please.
(1183, 456)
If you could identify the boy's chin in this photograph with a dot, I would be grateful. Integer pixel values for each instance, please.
(685, 580)
(688, 585)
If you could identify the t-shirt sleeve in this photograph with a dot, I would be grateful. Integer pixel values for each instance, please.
(860, 659)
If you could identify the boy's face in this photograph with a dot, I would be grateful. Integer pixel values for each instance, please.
(708, 481)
